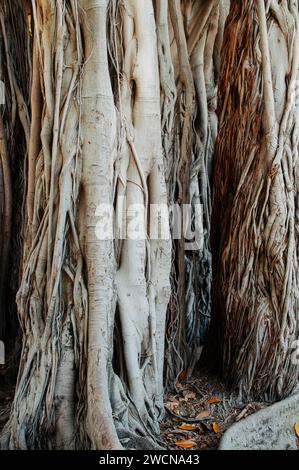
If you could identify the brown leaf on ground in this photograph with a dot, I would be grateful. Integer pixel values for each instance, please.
(189, 395)
(296, 427)
(170, 398)
(172, 405)
(188, 427)
(186, 444)
(203, 414)
(183, 375)
(213, 400)
(216, 428)
(244, 412)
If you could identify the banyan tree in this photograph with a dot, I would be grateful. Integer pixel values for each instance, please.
(176, 119)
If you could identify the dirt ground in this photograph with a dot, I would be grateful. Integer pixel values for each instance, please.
(197, 413)
(200, 411)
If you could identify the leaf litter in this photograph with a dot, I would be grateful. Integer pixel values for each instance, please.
(200, 410)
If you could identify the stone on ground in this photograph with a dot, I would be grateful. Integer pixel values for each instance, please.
(271, 428)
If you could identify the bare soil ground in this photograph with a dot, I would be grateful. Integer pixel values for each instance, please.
(200, 411)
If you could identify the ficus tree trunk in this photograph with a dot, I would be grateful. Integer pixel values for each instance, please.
(123, 117)
(92, 310)
(14, 136)
(255, 223)
(189, 55)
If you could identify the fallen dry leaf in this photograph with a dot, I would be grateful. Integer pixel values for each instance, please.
(183, 375)
(243, 413)
(189, 395)
(203, 414)
(296, 427)
(186, 444)
(213, 400)
(188, 427)
(173, 399)
(216, 428)
(172, 405)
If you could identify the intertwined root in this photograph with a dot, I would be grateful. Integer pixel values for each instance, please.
(14, 121)
(189, 68)
(124, 109)
(74, 389)
(255, 207)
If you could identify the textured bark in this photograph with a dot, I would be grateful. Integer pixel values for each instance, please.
(14, 132)
(89, 145)
(189, 74)
(123, 113)
(256, 199)
(81, 295)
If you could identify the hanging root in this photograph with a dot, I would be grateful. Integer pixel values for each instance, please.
(14, 132)
(189, 128)
(91, 372)
(255, 205)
